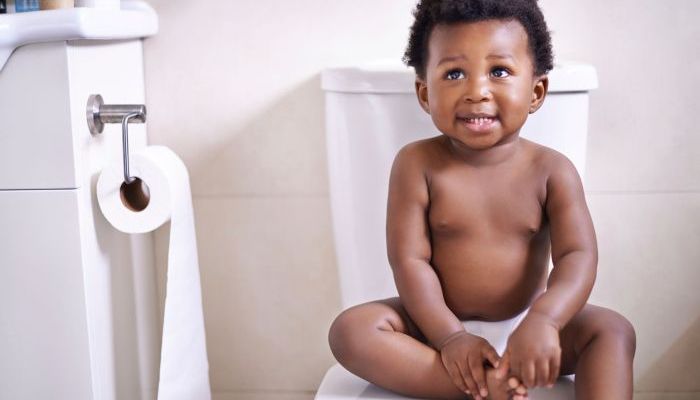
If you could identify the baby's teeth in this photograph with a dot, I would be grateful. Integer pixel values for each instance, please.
(479, 121)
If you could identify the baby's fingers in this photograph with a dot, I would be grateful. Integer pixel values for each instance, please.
(542, 373)
(476, 365)
(527, 373)
(456, 376)
(489, 353)
(503, 365)
(468, 381)
(554, 369)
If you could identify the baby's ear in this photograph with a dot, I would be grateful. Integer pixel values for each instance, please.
(422, 94)
(539, 92)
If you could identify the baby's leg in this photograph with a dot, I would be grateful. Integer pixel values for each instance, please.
(378, 342)
(598, 345)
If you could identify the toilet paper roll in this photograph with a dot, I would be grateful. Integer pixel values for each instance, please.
(184, 369)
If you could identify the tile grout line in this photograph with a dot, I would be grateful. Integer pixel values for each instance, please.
(255, 196)
(640, 192)
(326, 195)
(264, 391)
(666, 392)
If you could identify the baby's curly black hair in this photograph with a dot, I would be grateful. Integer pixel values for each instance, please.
(429, 13)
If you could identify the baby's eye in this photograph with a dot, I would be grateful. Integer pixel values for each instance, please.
(500, 72)
(454, 74)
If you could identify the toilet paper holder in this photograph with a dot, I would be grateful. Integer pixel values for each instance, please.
(99, 114)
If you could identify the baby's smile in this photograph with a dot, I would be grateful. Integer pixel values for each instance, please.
(478, 122)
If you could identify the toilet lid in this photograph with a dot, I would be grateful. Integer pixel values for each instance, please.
(340, 384)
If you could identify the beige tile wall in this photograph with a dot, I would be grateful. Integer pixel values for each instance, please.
(233, 87)
(643, 175)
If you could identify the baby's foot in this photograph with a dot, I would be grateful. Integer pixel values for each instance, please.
(517, 388)
(503, 389)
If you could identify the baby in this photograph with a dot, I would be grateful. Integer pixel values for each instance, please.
(472, 216)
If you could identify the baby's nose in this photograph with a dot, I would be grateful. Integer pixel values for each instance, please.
(477, 90)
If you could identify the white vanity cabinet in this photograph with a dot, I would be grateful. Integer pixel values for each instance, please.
(79, 316)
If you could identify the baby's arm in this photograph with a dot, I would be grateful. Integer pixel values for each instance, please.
(575, 256)
(409, 250)
(574, 248)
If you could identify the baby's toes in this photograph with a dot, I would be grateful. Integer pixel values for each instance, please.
(516, 387)
(498, 388)
(513, 382)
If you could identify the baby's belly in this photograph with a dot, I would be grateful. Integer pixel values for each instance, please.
(490, 279)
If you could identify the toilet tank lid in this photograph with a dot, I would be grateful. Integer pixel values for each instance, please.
(393, 77)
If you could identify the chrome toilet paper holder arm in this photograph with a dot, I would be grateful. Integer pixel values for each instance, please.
(99, 114)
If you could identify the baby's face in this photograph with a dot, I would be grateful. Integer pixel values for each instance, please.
(480, 86)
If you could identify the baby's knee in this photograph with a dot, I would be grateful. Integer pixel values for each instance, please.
(344, 335)
(615, 325)
(340, 334)
(351, 332)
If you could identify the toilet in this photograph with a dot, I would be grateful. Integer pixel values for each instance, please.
(371, 112)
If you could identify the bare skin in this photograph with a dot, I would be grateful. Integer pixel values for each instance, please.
(472, 217)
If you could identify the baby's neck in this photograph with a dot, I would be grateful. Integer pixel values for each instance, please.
(497, 154)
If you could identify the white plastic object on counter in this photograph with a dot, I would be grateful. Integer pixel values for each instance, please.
(135, 19)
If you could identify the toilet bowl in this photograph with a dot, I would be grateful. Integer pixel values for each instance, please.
(371, 112)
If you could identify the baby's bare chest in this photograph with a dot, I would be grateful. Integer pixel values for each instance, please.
(486, 205)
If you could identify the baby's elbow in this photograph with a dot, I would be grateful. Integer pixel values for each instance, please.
(401, 262)
(580, 263)
(579, 255)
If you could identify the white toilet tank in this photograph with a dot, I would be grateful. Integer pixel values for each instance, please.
(371, 112)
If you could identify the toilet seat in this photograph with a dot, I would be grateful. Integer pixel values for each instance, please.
(341, 384)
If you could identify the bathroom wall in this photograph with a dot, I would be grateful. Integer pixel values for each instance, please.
(233, 87)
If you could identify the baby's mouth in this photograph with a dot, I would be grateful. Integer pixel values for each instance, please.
(479, 120)
(478, 124)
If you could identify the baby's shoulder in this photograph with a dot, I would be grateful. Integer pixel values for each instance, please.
(547, 160)
(420, 152)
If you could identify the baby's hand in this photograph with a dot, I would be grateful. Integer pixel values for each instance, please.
(463, 356)
(533, 353)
